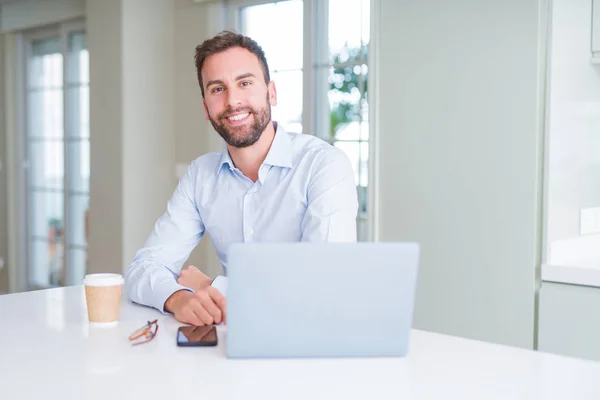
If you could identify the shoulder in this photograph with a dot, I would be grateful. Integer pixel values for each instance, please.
(204, 165)
(316, 152)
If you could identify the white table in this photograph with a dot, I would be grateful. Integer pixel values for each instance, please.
(49, 351)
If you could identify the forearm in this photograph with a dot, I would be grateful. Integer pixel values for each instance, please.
(150, 283)
(174, 299)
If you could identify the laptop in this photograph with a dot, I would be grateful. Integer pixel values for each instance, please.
(320, 299)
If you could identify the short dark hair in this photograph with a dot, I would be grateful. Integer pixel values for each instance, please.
(224, 41)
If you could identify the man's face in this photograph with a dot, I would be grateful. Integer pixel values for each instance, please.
(237, 101)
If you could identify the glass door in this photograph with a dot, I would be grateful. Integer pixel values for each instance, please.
(57, 153)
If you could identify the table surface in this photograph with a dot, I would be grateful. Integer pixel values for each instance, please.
(48, 350)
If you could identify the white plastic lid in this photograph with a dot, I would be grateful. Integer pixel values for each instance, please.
(103, 280)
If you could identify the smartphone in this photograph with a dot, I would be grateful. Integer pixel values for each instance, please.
(197, 336)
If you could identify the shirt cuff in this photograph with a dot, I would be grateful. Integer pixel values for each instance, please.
(220, 283)
(164, 291)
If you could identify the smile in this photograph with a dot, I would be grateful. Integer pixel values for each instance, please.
(238, 117)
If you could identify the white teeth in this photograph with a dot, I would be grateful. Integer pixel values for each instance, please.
(238, 117)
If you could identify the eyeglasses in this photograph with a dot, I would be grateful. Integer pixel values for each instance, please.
(146, 333)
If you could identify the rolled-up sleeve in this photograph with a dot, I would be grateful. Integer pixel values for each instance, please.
(152, 276)
(332, 201)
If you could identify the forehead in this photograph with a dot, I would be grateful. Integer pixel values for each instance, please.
(229, 64)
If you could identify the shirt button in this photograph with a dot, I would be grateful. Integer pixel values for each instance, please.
(250, 231)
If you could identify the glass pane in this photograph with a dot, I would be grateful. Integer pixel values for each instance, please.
(283, 51)
(78, 219)
(56, 254)
(46, 215)
(40, 263)
(77, 266)
(364, 103)
(45, 67)
(78, 58)
(362, 192)
(45, 113)
(78, 103)
(362, 229)
(364, 164)
(46, 168)
(345, 102)
(366, 23)
(345, 30)
(78, 159)
(288, 111)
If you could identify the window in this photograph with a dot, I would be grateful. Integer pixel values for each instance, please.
(572, 214)
(285, 56)
(321, 74)
(57, 151)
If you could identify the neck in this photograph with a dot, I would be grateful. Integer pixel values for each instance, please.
(249, 159)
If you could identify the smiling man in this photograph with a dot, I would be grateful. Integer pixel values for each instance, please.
(268, 185)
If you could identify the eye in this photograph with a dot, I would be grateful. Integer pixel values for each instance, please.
(217, 90)
(246, 83)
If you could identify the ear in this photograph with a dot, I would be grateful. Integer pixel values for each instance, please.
(272, 93)
(205, 110)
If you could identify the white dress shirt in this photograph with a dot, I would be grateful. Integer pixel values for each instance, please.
(305, 192)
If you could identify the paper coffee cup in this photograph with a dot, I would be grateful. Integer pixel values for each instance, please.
(103, 297)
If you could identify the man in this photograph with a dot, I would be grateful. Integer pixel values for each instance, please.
(267, 186)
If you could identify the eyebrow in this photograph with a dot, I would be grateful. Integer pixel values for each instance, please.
(239, 77)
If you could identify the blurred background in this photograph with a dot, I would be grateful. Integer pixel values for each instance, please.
(473, 127)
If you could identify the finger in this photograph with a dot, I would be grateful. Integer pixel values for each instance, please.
(187, 314)
(219, 299)
(194, 317)
(188, 317)
(182, 274)
(201, 312)
(210, 306)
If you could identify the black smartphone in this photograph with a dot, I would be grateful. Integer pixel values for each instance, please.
(197, 336)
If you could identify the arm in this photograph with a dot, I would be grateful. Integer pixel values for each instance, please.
(151, 277)
(332, 201)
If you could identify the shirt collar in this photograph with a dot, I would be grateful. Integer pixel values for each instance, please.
(280, 153)
(226, 159)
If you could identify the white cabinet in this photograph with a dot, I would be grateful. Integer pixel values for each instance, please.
(569, 320)
(595, 31)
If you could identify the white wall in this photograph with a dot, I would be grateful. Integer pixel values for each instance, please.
(574, 142)
(104, 30)
(459, 159)
(148, 140)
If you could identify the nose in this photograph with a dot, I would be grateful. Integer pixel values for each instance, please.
(234, 99)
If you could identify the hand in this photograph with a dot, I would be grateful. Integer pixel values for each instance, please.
(191, 277)
(205, 307)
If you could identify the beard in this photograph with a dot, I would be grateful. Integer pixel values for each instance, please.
(243, 136)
